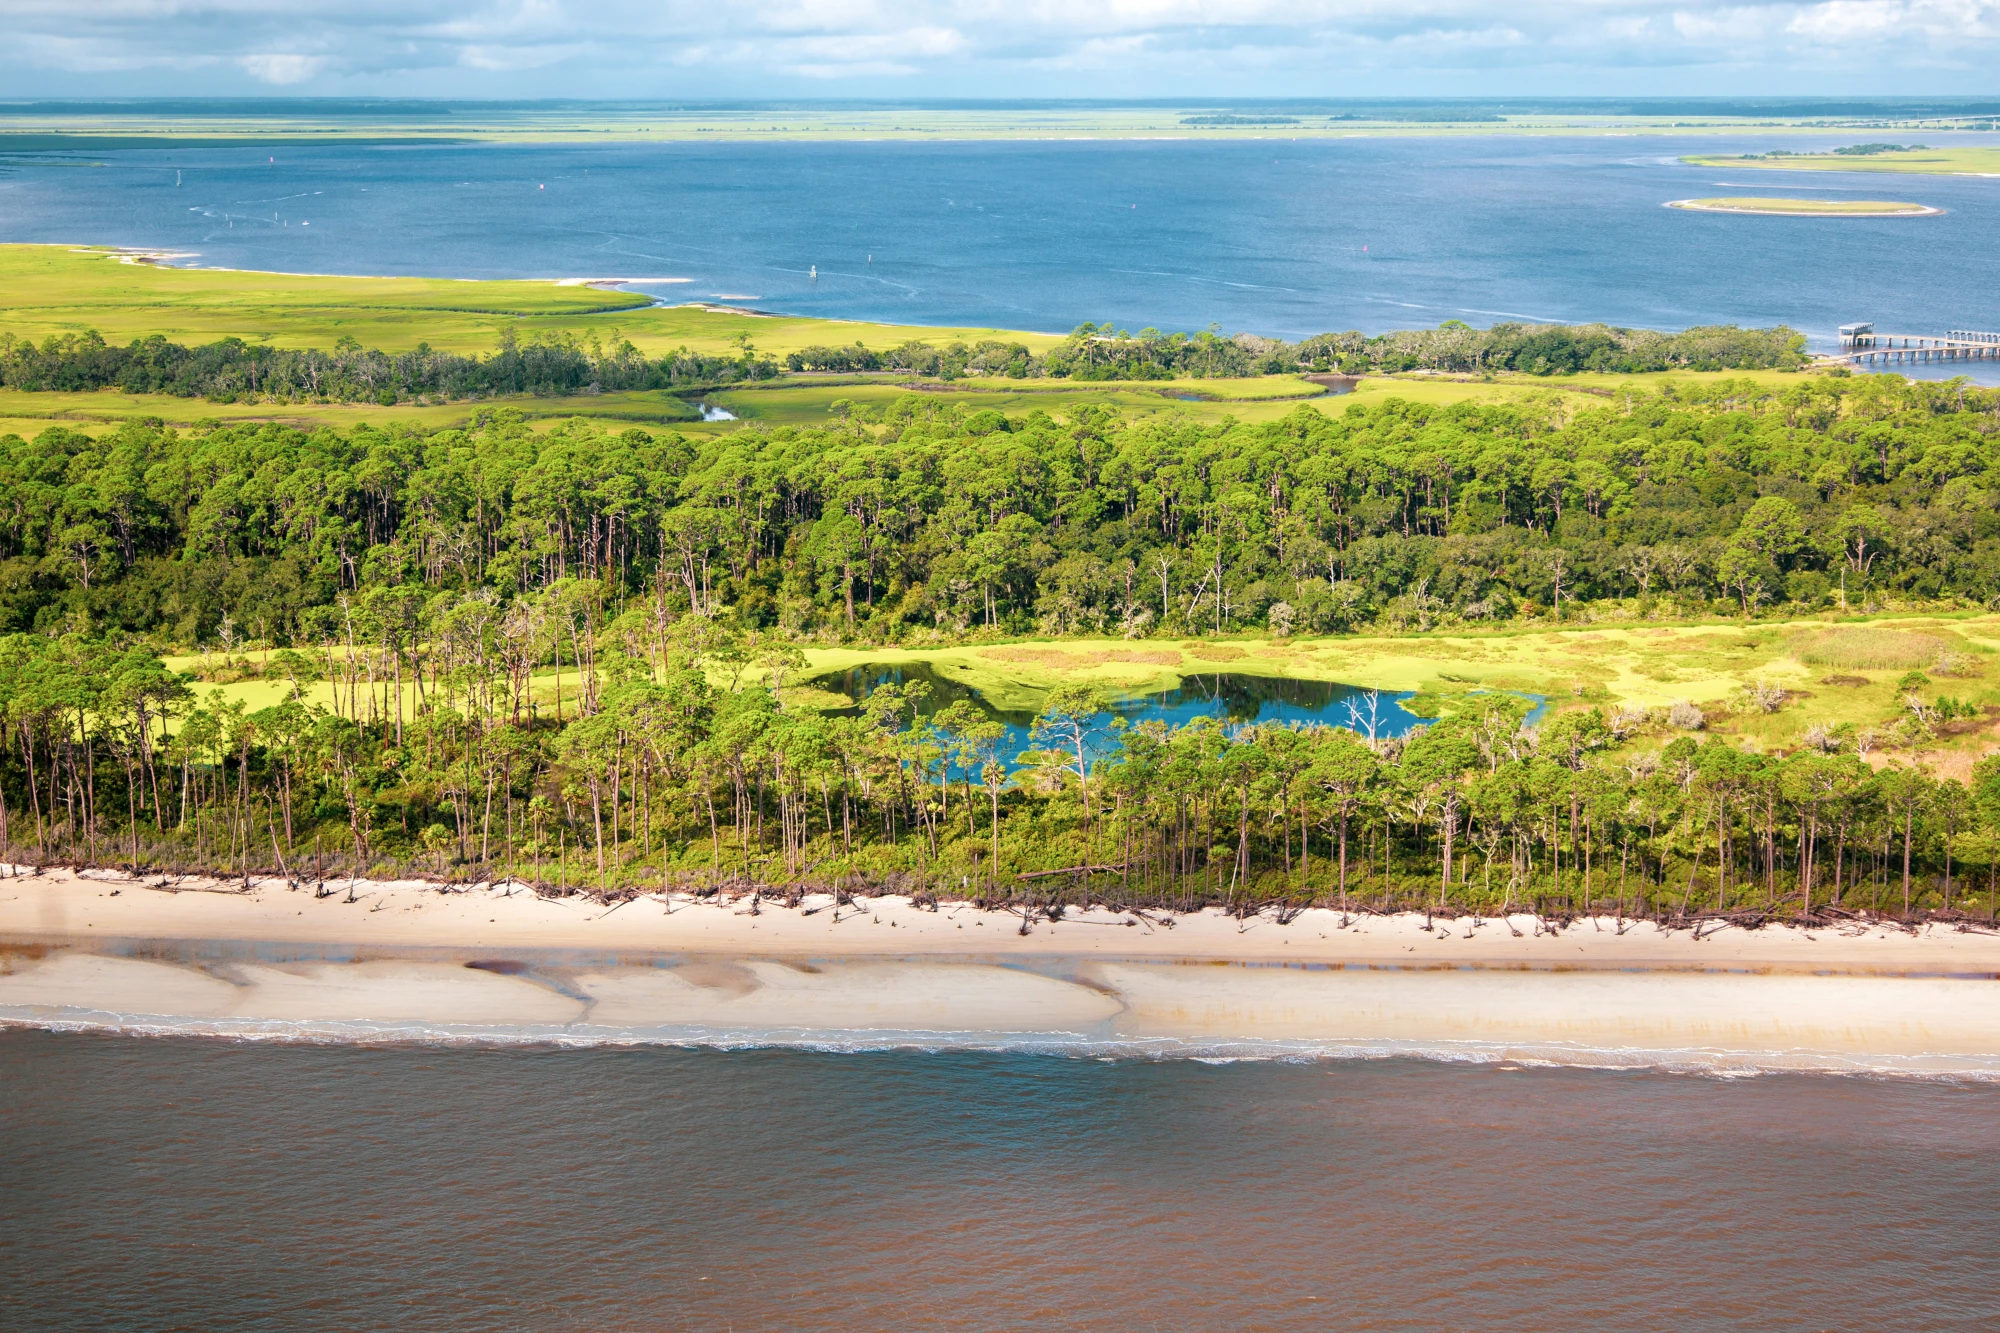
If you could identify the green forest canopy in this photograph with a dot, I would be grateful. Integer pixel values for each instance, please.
(919, 518)
(427, 577)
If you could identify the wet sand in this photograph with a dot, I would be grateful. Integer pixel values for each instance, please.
(406, 961)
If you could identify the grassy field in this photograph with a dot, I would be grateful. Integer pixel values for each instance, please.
(809, 401)
(53, 289)
(1976, 161)
(786, 404)
(1634, 665)
(1851, 208)
(1604, 384)
(26, 414)
(812, 404)
(1263, 399)
(1833, 673)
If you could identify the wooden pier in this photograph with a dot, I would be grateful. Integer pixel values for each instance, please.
(1860, 345)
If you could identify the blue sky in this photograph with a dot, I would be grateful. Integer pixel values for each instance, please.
(995, 48)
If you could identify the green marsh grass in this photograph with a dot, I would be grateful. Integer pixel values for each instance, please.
(1873, 648)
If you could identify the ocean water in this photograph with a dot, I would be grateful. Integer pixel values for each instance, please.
(177, 1183)
(1278, 237)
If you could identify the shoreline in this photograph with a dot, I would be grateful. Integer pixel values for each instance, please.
(405, 962)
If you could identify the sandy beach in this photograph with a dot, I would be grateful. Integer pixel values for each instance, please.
(68, 907)
(406, 960)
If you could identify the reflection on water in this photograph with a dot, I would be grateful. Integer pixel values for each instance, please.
(857, 683)
(1239, 698)
(1229, 697)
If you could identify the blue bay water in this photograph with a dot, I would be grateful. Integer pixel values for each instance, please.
(1277, 237)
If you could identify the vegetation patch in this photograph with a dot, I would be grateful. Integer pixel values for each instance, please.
(1870, 648)
(816, 698)
(1057, 659)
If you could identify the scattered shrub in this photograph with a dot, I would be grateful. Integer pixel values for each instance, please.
(1626, 722)
(1951, 662)
(1764, 696)
(1684, 716)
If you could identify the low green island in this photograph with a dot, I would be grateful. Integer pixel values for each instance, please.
(1814, 208)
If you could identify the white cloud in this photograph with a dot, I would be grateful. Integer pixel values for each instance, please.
(509, 59)
(997, 47)
(1866, 22)
(1716, 26)
(281, 67)
(1843, 20)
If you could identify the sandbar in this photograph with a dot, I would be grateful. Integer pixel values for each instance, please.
(1809, 208)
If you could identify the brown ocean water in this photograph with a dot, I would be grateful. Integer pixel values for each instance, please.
(191, 1183)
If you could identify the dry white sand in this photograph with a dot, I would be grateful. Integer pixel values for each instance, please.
(61, 906)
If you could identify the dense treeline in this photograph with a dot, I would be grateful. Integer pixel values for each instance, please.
(232, 369)
(561, 366)
(1555, 349)
(638, 772)
(918, 521)
(1100, 352)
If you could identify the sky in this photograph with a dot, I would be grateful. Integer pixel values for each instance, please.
(995, 48)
